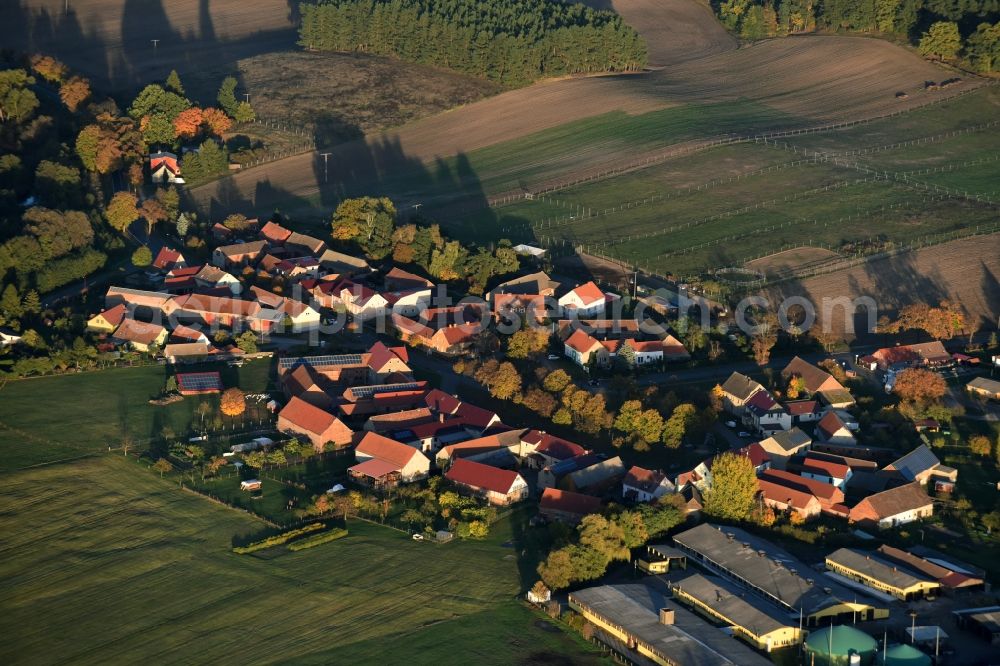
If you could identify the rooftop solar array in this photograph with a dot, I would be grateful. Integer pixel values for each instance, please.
(363, 392)
(319, 361)
(199, 381)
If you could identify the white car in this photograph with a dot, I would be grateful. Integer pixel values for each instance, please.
(418, 537)
(553, 357)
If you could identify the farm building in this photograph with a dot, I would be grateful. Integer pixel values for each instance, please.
(840, 646)
(197, 383)
(879, 575)
(893, 507)
(921, 465)
(982, 621)
(763, 569)
(759, 623)
(660, 558)
(566, 506)
(140, 336)
(644, 626)
(239, 254)
(319, 426)
(384, 463)
(497, 486)
(950, 575)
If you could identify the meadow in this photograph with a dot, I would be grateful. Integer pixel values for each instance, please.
(45, 419)
(130, 568)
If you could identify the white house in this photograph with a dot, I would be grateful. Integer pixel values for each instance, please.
(763, 413)
(361, 301)
(832, 429)
(645, 485)
(827, 471)
(303, 317)
(586, 300)
(8, 337)
(410, 302)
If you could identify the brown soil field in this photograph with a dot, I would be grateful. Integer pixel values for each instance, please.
(110, 40)
(341, 96)
(789, 260)
(965, 271)
(816, 80)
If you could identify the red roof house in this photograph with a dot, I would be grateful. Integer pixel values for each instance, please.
(497, 486)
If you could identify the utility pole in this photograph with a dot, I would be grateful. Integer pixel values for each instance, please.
(246, 96)
(326, 157)
(155, 42)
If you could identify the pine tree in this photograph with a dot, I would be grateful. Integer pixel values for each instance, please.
(32, 303)
(10, 303)
(173, 82)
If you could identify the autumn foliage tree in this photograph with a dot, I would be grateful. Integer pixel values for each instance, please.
(74, 92)
(188, 122)
(734, 488)
(919, 386)
(942, 322)
(216, 121)
(233, 402)
(48, 68)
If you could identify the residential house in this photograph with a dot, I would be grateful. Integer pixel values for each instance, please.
(319, 426)
(538, 284)
(736, 391)
(762, 413)
(361, 301)
(893, 507)
(584, 350)
(832, 429)
(107, 321)
(181, 280)
(788, 499)
(813, 379)
(213, 277)
(931, 354)
(168, 259)
(782, 445)
(140, 336)
(565, 506)
(984, 387)
(498, 486)
(700, 476)
(239, 254)
(757, 456)
(164, 168)
(831, 498)
(297, 268)
(496, 449)
(304, 245)
(645, 485)
(407, 463)
(803, 411)
(137, 300)
(514, 309)
(409, 302)
(825, 470)
(542, 450)
(342, 265)
(448, 331)
(399, 280)
(585, 300)
(274, 233)
(921, 465)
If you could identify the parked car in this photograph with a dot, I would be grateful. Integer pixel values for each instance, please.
(731, 424)
(418, 537)
(744, 433)
(553, 357)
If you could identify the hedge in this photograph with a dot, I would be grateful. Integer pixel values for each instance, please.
(316, 540)
(277, 539)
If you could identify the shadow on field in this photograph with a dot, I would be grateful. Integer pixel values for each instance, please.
(122, 60)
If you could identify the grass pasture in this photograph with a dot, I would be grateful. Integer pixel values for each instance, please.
(131, 569)
(50, 418)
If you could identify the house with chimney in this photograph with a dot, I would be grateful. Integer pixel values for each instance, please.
(736, 391)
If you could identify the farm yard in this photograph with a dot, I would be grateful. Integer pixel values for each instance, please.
(146, 573)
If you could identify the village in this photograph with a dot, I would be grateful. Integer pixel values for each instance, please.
(368, 367)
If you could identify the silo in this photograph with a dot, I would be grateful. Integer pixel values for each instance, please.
(839, 646)
(903, 655)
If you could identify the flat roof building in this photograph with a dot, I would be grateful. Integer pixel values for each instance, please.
(637, 620)
(773, 574)
(879, 575)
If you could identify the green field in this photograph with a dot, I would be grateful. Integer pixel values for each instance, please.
(103, 562)
(51, 418)
(687, 215)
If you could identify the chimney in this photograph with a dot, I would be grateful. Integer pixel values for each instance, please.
(666, 616)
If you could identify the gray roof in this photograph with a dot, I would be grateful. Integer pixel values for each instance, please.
(985, 384)
(790, 440)
(917, 461)
(875, 568)
(598, 473)
(690, 640)
(733, 603)
(760, 565)
(741, 386)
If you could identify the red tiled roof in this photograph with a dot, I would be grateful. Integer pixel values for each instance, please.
(274, 233)
(306, 416)
(781, 493)
(383, 448)
(136, 331)
(581, 341)
(475, 416)
(755, 453)
(589, 293)
(565, 501)
(801, 407)
(825, 467)
(477, 475)
(375, 468)
(380, 355)
(552, 446)
(823, 491)
(400, 278)
(644, 479)
(186, 333)
(830, 424)
(166, 257)
(115, 315)
(442, 402)
(761, 400)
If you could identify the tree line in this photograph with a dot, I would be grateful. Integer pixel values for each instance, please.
(511, 41)
(966, 31)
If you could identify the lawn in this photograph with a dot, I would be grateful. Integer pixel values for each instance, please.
(106, 563)
(52, 418)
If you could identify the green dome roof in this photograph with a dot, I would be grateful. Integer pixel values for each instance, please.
(845, 639)
(905, 655)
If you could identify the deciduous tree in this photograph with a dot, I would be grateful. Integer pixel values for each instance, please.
(233, 402)
(122, 211)
(74, 92)
(188, 122)
(681, 421)
(919, 385)
(942, 41)
(142, 257)
(734, 488)
(556, 381)
(217, 122)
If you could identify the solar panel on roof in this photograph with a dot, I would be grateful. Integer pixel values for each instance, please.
(320, 361)
(199, 381)
(369, 391)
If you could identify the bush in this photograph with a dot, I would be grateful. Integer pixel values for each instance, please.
(318, 539)
(277, 539)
